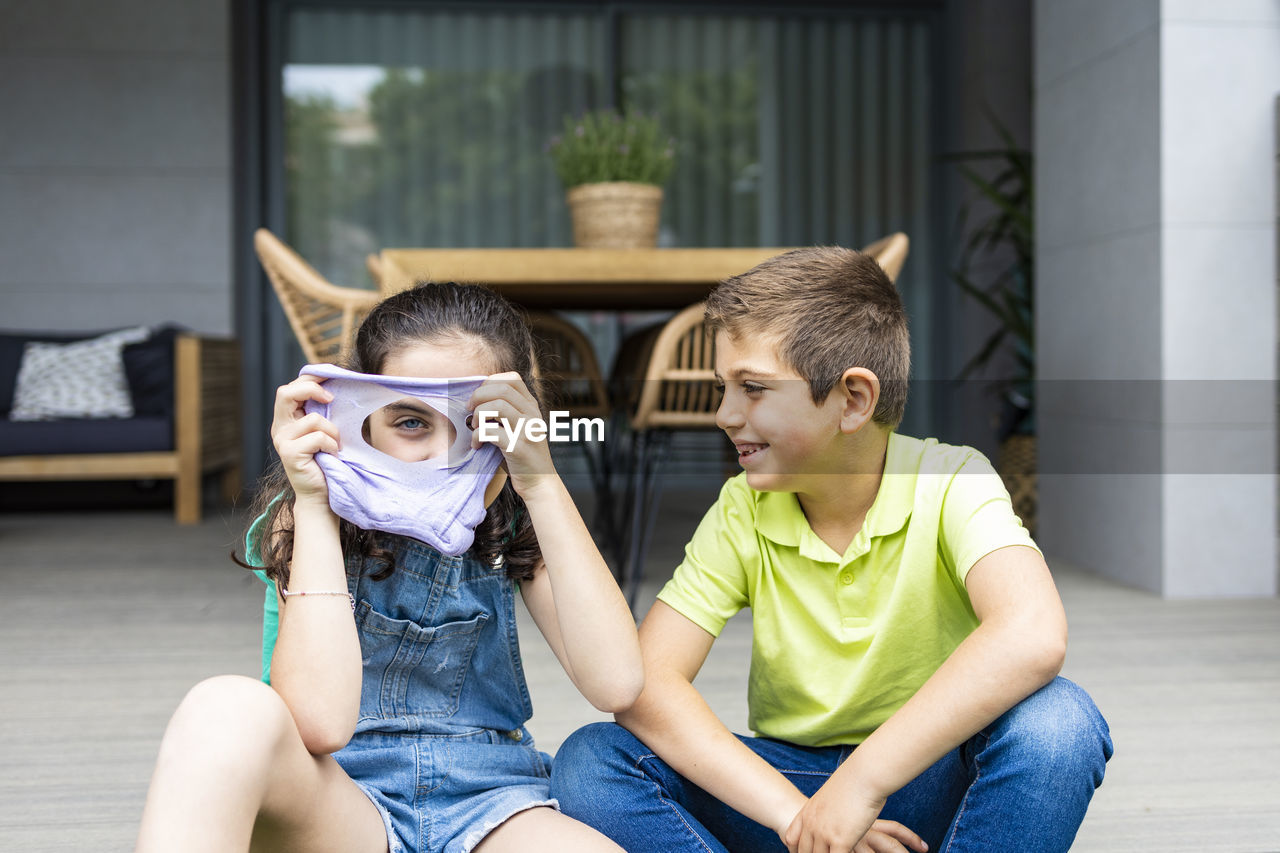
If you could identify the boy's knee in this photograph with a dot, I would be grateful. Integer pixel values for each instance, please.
(586, 760)
(590, 749)
(1061, 726)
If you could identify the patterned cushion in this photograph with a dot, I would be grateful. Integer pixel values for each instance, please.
(85, 379)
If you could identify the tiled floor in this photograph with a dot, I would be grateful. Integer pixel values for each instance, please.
(106, 619)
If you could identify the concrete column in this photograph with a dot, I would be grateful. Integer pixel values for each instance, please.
(1156, 314)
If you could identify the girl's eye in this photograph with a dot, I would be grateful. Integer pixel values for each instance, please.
(719, 386)
(752, 388)
(413, 424)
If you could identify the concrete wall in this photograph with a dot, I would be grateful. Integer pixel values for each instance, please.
(115, 167)
(1156, 290)
(1219, 76)
(1098, 278)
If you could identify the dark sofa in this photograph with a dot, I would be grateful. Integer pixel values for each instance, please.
(185, 393)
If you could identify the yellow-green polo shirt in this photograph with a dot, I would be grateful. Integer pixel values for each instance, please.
(842, 641)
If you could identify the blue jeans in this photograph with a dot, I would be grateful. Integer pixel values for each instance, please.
(1022, 783)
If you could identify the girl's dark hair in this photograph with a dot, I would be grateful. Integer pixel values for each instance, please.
(429, 312)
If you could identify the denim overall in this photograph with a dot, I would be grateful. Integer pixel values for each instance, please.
(440, 746)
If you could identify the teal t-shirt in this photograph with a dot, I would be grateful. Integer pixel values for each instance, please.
(270, 604)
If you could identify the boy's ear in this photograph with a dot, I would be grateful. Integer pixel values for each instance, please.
(860, 390)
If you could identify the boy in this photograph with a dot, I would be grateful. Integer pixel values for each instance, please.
(898, 606)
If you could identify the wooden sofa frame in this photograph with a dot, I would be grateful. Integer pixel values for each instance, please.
(206, 434)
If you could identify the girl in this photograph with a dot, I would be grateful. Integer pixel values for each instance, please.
(401, 727)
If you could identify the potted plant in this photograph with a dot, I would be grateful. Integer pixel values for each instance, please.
(1003, 181)
(613, 167)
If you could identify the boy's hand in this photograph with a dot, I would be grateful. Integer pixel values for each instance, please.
(838, 819)
(505, 397)
(298, 437)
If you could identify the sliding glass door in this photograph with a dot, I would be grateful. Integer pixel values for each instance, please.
(427, 124)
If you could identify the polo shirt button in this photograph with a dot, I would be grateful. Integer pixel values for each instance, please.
(846, 578)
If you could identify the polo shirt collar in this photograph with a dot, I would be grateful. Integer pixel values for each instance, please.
(780, 519)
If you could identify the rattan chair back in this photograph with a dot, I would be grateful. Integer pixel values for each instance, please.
(373, 266)
(324, 317)
(678, 386)
(570, 371)
(890, 252)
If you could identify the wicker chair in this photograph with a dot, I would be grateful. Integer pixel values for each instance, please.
(573, 382)
(569, 367)
(890, 252)
(373, 266)
(678, 393)
(324, 317)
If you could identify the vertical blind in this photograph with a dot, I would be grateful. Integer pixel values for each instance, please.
(444, 147)
(792, 132)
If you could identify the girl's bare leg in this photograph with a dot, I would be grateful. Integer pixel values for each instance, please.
(545, 830)
(233, 775)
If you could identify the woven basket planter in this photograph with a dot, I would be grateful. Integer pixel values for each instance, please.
(615, 215)
(1017, 468)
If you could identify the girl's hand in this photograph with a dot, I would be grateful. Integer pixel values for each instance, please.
(505, 398)
(298, 437)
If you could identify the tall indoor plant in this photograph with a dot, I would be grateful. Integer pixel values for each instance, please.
(997, 269)
(613, 167)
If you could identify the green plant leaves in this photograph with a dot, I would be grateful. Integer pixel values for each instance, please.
(1003, 183)
(606, 145)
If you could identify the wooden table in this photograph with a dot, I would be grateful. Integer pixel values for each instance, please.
(618, 279)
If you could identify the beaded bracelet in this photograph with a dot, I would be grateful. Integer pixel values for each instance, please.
(284, 593)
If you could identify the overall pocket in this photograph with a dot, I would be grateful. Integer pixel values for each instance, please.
(410, 670)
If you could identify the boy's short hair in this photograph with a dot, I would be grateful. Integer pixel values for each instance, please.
(827, 309)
